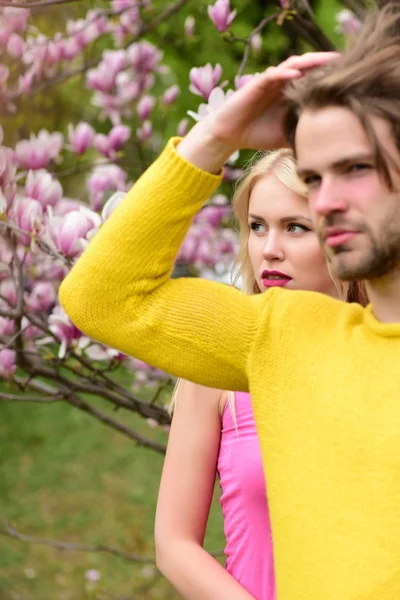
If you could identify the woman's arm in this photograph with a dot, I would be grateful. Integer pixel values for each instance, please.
(184, 499)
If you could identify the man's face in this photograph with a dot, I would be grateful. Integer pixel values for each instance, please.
(356, 216)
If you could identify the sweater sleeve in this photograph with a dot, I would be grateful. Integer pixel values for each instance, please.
(120, 292)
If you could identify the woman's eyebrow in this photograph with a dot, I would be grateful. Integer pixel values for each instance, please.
(283, 220)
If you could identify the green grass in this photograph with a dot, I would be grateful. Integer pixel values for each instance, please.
(65, 476)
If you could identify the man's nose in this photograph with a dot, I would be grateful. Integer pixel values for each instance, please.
(328, 198)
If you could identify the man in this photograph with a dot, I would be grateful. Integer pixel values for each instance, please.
(324, 375)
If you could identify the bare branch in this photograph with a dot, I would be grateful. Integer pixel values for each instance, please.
(24, 398)
(133, 435)
(12, 532)
(4, 3)
(258, 29)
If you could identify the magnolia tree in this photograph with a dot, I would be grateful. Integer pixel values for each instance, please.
(118, 55)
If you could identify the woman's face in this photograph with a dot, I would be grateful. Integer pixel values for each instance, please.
(283, 247)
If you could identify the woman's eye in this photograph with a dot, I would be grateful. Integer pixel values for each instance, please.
(257, 227)
(297, 228)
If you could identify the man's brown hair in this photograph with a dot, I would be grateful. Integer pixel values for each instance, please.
(364, 79)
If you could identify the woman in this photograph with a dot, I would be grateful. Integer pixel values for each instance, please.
(278, 247)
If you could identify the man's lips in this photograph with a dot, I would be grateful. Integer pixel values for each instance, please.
(274, 278)
(338, 237)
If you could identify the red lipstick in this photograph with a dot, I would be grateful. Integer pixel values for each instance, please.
(274, 279)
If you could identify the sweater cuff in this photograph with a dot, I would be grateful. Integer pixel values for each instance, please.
(185, 174)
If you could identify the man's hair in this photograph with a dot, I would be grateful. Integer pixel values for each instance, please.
(364, 79)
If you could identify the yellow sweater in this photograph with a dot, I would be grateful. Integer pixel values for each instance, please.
(324, 378)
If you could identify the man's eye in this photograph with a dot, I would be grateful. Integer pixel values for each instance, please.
(359, 167)
(311, 180)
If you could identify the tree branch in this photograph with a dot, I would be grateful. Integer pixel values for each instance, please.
(32, 539)
(4, 3)
(257, 29)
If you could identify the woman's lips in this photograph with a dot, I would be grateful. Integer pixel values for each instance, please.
(275, 282)
(274, 278)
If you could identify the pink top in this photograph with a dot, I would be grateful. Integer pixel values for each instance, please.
(244, 502)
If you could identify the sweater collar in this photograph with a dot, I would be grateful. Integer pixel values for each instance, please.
(382, 329)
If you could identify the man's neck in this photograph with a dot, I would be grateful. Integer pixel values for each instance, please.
(384, 295)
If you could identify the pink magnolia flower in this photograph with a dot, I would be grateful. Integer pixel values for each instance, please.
(38, 151)
(6, 326)
(105, 178)
(70, 48)
(145, 106)
(189, 26)
(63, 328)
(256, 43)
(145, 131)
(221, 15)
(4, 73)
(28, 216)
(183, 127)
(42, 297)
(102, 78)
(15, 45)
(204, 79)
(7, 363)
(16, 18)
(7, 167)
(109, 145)
(348, 24)
(40, 185)
(171, 94)
(285, 4)
(118, 136)
(80, 137)
(144, 57)
(92, 575)
(242, 80)
(72, 229)
(9, 292)
(114, 60)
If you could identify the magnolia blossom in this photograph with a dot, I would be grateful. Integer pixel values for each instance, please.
(240, 81)
(80, 137)
(71, 230)
(15, 45)
(63, 328)
(144, 57)
(105, 178)
(27, 214)
(221, 15)
(215, 101)
(6, 326)
(189, 26)
(8, 291)
(182, 127)
(256, 43)
(145, 131)
(42, 297)
(204, 79)
(38, 151)
(102, 78)
(7, 363)
(145, 106)
(171, 94)
(109, 145)
(348, 24)
(40, 185)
